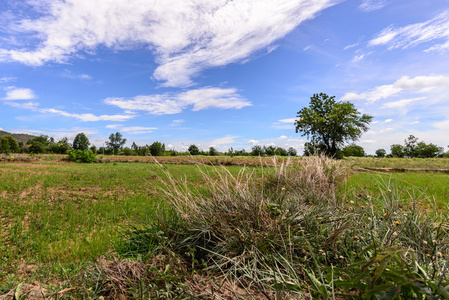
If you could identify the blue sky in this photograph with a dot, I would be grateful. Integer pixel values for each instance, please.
(222, 73)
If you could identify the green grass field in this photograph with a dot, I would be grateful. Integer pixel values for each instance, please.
(401, 163)
(59, 217)
(434, 187)
(56, 214)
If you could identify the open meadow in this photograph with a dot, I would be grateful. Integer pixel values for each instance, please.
(313, 228)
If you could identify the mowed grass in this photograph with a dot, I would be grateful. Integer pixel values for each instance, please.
(58, 215)
(434, 187)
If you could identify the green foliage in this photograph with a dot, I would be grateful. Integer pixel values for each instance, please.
(157, 149)
(270, 150)
(213, 151)
(354, 150)
(292, 151)
(4, 145)
(127, 151)
(38, 144)
(81, 142)
(84, 156)
(115, 143)
(257, 151)
(193, 150)
(61, 147)
(410, 146)
(381, 153)
(330, 124)
(397, 150)
(8, 144)
(424, 150)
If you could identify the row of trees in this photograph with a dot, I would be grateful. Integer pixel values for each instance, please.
(44, 144)
(413, 148)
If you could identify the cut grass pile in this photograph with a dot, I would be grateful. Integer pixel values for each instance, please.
(146, 231)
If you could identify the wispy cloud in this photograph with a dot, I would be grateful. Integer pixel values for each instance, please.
(13, 93)
(371, 5)
(289, 120)
(87, 117)
(81, 117)
(69, 74)
(170, 103)
(7, 79)
(227, 140)
(404, 83)
(177, 122)
(138, 129)
(184, 36)
(28, 105)
(402, 103)
(436, 30)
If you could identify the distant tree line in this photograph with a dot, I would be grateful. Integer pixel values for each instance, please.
(81, 149)
(411, 148)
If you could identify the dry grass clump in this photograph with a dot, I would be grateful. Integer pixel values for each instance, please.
(284, 232)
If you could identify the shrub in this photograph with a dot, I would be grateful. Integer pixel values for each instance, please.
(85, 156)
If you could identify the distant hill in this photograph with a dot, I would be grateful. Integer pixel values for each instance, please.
(19, 137)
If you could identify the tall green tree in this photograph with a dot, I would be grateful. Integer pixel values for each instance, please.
(329, 124)
(157, 149)
(115, 143)
(410, 145)
(194, 150)
(81, 142)
(381, 153)
(354, 150)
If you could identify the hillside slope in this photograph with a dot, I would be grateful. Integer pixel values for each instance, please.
(19, 137)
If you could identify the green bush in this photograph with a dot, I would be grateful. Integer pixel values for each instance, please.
(84, 156)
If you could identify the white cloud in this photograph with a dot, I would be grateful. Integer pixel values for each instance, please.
(81, 117)
(436, 29)
(69, 74)
(371, 5)
(414, 123)
(358, 58)
(388, 121)
(138, 130)
(177, 122)
(253, 142)
(184, 36)
(170, 103)
(402, 103)
(227, 140)
(419, 82)
(290, 120)
(283, 137)
(7, 79)
(28, 105)
(114, 126)
(442, 125)
(87, 117)
(404, 83)
(351, 46)
(14, 93)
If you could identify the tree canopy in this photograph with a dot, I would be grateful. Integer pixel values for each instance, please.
(115, 142)
(81, 142)
(329, 124)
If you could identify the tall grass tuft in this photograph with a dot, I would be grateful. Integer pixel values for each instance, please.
(285, 232)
